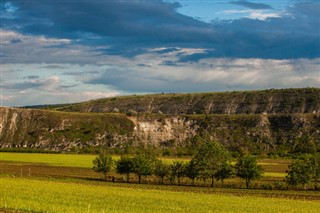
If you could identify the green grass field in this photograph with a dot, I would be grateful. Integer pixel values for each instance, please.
(71, 160)
(274, 174)
(273, 168)
(38, 195)
(33, 182)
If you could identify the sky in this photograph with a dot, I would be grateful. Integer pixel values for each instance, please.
(66, 51)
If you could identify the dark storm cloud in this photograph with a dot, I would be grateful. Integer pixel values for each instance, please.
(169, 63)
(295, 35)
(107, 18)
(54, 66)
(251, 5)
(131, 28)
(28, 84)
(80, 73)
(143, 65)
(15, 41)
(31, 77)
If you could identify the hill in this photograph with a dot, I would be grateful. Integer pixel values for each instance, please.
(26, 129)
(306, 100)
(269, 121)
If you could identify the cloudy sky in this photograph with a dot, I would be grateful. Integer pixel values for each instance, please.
(57, 51)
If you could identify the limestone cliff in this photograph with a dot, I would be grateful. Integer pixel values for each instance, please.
(64, 131)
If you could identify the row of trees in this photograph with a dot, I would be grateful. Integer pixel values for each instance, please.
(211, 162)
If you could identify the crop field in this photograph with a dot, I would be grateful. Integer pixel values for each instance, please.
(71, 160)
(80, 166)
(39, 195)
(67, 183)
(270, 166)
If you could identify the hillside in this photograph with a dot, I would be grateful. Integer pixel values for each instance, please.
(66, 131)
(272, 101)
(50, 130)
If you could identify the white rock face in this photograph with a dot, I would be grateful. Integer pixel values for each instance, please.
(158, 131)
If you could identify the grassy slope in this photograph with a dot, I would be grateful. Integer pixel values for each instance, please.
(59, 196)
(27, 127)
(241, 102)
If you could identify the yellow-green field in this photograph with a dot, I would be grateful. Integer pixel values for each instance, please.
(275, 174)
(66, 183)
(71, 160)
(61, 196)
(273, 168)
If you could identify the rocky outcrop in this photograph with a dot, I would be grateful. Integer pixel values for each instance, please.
(64, 131)
(164, 131)
(49, 130)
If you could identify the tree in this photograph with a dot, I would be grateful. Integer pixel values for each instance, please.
(161, 170)
(316, 162)
(301, 171)
(305, 144)
(209, 159)
(224, 172)
(192, 171)
(178, 169)
(125, 166)
(143, 165)
(103, 163)
(248, 169)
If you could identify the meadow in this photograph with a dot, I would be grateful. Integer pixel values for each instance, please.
(43, 195)
(37, 182)
(272, 166)
(79, 165)
(70, 160)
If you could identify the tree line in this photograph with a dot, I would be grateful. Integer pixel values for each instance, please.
(212, 162)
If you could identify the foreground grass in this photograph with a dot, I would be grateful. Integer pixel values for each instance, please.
(71, 160)
(61, 196)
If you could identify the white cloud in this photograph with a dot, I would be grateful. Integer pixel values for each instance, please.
(256, 14)
(208, 74)
(263, 16)
(95, 95)
(148, 73)
(7, 37)
(230, 12)
(6, 97)
(19, 48)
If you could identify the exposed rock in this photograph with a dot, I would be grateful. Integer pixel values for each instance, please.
(63, 131)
